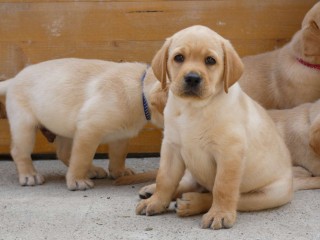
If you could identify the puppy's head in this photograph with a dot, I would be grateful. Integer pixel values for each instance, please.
(308, 42)
(197, 62)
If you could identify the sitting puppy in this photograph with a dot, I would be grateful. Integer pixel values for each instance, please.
(289, 76)
(85, 103)
(225, 140)
(280, 79)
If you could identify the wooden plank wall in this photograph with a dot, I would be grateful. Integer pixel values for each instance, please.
(32, 31)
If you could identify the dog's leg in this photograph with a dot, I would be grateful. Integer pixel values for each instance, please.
(64, 146)
(225, 187)
(303, 180)
(63, 149)
(85, 144)
(117, 159)
(274, 195)
(23, 130)
(170, 173)
(314, 135)
(147, 191)
(313, 163)
(187, 184)
(193, 203)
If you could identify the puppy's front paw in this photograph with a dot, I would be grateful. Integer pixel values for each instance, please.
(120, 172)
(149, 207)
(31, 179)
(74, 184)
(97, 172)
(218, 219)
(147, 191)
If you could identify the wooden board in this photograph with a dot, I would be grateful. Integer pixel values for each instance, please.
(32, 31)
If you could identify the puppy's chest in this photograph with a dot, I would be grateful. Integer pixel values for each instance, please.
(196, 141)
(197, 151)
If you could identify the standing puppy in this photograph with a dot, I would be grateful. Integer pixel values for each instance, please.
(213, 129)
(289, 76)
(85, 103)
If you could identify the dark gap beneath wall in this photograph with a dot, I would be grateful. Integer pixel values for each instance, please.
(50, 156)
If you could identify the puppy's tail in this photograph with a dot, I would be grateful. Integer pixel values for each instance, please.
(303, 180)
(4, 86)
(305, 183)
(137, 178)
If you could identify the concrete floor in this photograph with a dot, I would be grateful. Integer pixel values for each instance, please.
(51, 211)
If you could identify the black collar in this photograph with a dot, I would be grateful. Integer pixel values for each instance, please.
(144, 99)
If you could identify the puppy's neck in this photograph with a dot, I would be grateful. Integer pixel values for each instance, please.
(295, 51)
(309, 65)
(215, 102)
(199, 103)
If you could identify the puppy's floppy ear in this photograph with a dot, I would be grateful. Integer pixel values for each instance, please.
(159, 63)
(233, 66)
(311, 39)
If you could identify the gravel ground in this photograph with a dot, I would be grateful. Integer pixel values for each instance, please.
(51, 211)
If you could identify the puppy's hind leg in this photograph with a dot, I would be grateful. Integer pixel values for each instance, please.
(274, 195)
(23, 129)
(64, 146)
(85, 144)
(187, 184)
(193, 203)
(303, 179)
(117, 159)
(63, 149)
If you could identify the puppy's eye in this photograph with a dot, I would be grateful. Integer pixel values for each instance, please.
(179, 58)
(210, 61)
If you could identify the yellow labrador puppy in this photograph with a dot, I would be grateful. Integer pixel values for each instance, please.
(289, 76)
(300, 128)
(85, 103)
(214, 130)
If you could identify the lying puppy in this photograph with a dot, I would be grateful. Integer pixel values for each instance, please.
(300, 127)
(214, 130)
(85, 103)
(289, 76)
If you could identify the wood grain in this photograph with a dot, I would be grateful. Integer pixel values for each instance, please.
(34, 31)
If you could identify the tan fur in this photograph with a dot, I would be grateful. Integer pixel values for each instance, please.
(85, 103)
(136, 178)
(276, 79)
(227, 141)
(300, 128)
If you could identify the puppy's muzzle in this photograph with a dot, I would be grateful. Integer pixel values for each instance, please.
(192, 82)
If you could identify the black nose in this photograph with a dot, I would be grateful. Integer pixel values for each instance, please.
(192, 79)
